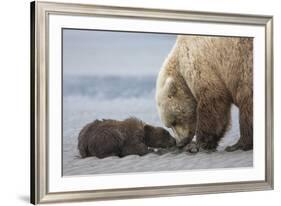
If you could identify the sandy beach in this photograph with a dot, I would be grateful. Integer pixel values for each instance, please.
(75, 117)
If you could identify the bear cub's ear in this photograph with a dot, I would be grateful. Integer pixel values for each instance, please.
(148, 129)
(170, 87)
(149, 135)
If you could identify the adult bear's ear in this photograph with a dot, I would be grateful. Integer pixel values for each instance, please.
(170, 87)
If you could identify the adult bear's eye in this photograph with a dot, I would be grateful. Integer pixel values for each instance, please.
(174, 123)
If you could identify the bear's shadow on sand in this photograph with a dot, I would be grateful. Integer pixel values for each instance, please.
(163, 151)
(176, 150)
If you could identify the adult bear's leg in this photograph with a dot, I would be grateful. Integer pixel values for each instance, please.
(246, 126)
(213, 114)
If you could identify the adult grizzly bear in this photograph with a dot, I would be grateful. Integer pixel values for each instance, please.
(103, 138)
(200, 79)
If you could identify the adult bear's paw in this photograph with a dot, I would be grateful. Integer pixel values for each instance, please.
(239, 146)
(208, 143)
(192, 147)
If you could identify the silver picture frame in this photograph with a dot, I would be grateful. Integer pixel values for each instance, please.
(40, 12)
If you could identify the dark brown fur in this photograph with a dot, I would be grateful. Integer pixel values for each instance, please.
(103, 138)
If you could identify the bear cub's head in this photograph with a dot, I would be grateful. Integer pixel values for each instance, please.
(157, 137)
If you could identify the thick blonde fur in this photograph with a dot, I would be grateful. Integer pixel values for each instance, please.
(200, 79)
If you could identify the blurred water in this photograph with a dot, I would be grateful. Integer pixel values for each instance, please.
(113, 97)
(109, 87)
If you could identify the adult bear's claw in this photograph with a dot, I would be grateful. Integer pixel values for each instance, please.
(192, 147)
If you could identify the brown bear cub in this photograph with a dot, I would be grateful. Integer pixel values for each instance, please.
(103, 138)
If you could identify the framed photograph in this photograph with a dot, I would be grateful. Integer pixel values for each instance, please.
(134, 102)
